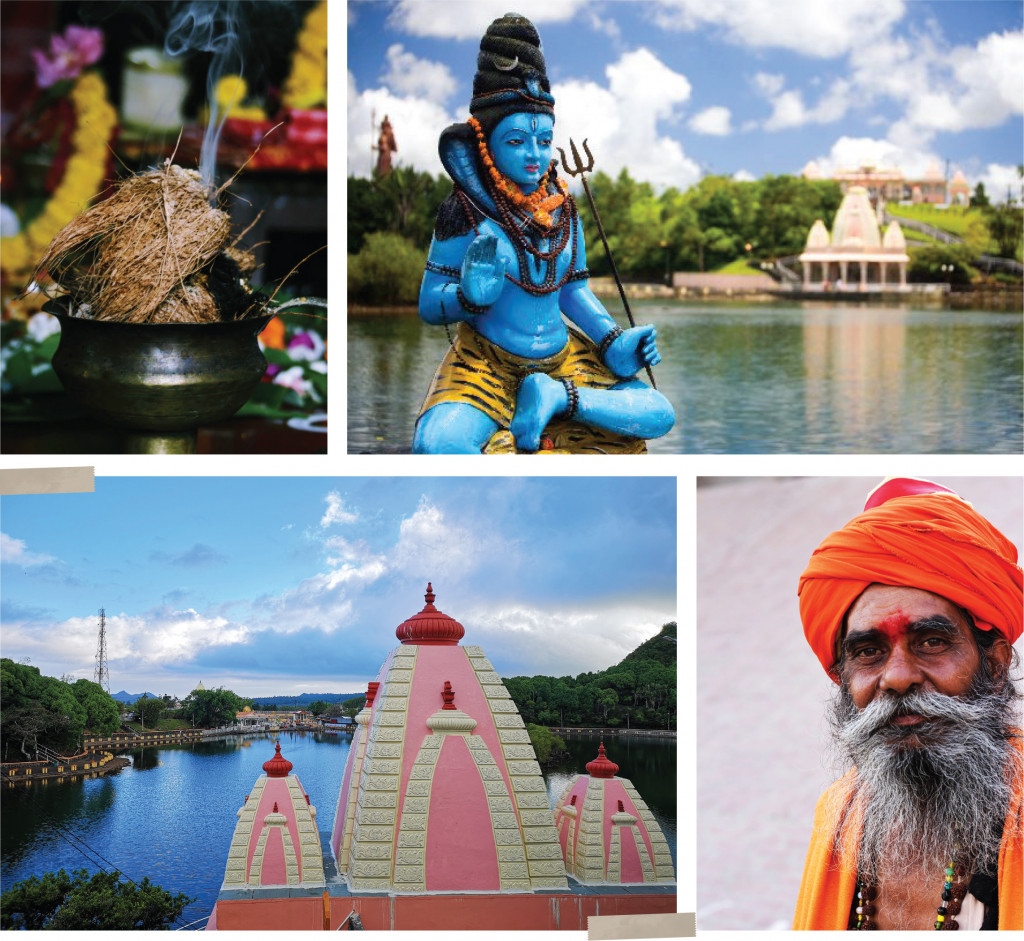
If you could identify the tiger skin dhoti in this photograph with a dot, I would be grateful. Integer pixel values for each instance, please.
(477, 372)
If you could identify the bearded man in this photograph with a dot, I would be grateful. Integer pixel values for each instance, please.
(912, 608)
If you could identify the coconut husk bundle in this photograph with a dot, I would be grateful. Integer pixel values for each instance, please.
(156, 251)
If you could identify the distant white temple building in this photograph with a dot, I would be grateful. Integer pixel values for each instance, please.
(856, 256)
(890, 184)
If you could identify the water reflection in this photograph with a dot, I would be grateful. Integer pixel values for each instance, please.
(808, 379)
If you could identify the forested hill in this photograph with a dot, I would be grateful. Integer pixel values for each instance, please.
(638, 692)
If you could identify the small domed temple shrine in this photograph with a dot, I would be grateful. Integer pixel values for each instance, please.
(443, 819)
(606, 833)
(855, 257)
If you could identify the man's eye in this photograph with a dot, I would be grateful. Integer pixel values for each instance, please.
(934, 643)
(865, 653)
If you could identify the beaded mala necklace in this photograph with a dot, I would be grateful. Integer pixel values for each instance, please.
(523, 216)
(953, 891)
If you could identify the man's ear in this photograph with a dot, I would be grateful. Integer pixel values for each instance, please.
(999, 656)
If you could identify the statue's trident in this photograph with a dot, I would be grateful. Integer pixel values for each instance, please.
(578, 170)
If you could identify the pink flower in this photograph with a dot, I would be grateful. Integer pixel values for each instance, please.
(69, 54)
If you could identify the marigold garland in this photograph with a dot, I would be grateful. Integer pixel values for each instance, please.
(306, 85)
(95, 120)
(537, 204)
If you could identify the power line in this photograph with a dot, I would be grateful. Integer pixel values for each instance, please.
(78, 843)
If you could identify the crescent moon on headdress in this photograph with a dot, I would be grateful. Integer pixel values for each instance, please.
(505, 68)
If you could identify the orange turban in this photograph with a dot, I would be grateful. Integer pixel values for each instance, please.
(916, 534)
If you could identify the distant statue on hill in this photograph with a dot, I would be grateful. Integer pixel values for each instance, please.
(385, 146)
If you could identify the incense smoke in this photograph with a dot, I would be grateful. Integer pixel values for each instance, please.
(210, 26)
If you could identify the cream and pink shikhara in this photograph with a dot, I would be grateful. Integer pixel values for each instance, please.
(442, 793)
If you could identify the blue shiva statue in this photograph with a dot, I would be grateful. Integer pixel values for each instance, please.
(507, 260)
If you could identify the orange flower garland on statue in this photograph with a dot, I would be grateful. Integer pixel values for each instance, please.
(537, 204)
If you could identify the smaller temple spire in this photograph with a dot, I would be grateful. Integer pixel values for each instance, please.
(448, 695)
(602, 766)
(278, 766)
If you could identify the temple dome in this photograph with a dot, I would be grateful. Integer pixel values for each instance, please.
(856, 225)
(932, 171)
(430, 626)
(606, 831)
(894, 239)
(818, 237)
(276, 842)
(442, 791)
(811, 171)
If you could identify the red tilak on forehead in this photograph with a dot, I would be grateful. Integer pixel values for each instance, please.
(894, 625)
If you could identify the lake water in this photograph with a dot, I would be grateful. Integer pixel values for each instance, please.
(780, 379)
(171, 815)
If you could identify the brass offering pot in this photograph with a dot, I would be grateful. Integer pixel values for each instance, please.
(159, 376)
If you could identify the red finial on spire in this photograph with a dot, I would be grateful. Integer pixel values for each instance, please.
(278, 766)
(430, 626)
(275, 808)
(601, 766)
(448, 695)
(621, 808)
(371, 693)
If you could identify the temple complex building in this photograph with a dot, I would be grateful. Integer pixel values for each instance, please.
(856, 256)
(443, 819)
(890, 184)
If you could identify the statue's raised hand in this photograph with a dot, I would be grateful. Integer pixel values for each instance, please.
(483, 271)
(636, 348)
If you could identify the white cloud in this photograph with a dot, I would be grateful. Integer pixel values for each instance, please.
(409, 75)
(336, 512)
(744, 176)
(468, 19)
(810, 27)
(431, 547)
(641, 92)
(417, 122)
(715, 121)
(999, 179)
(530, 640)
(789, 110)
(15, 552)
(769, 84)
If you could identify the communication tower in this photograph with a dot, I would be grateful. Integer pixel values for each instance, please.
(102, 671)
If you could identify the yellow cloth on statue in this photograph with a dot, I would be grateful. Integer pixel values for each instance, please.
(477, 372)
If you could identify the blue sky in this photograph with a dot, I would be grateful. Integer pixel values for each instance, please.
(290, 585)
(679, 88)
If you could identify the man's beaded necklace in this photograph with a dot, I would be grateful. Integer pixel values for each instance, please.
(953, 891)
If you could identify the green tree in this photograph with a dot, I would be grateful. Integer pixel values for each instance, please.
(353, 706)
(979, 198)
(1006, 225)
(100, 903)
(101, 713)
(318, 707)
(387, 270)
(937, 263)
(149, 710)
(38, 710)
(211, 708)
(545, 742)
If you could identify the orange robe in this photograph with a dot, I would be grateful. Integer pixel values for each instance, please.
(830, 873)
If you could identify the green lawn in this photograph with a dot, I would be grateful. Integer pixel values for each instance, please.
(952, 220)
(737, 266)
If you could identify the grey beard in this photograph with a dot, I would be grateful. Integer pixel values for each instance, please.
(931, 792)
